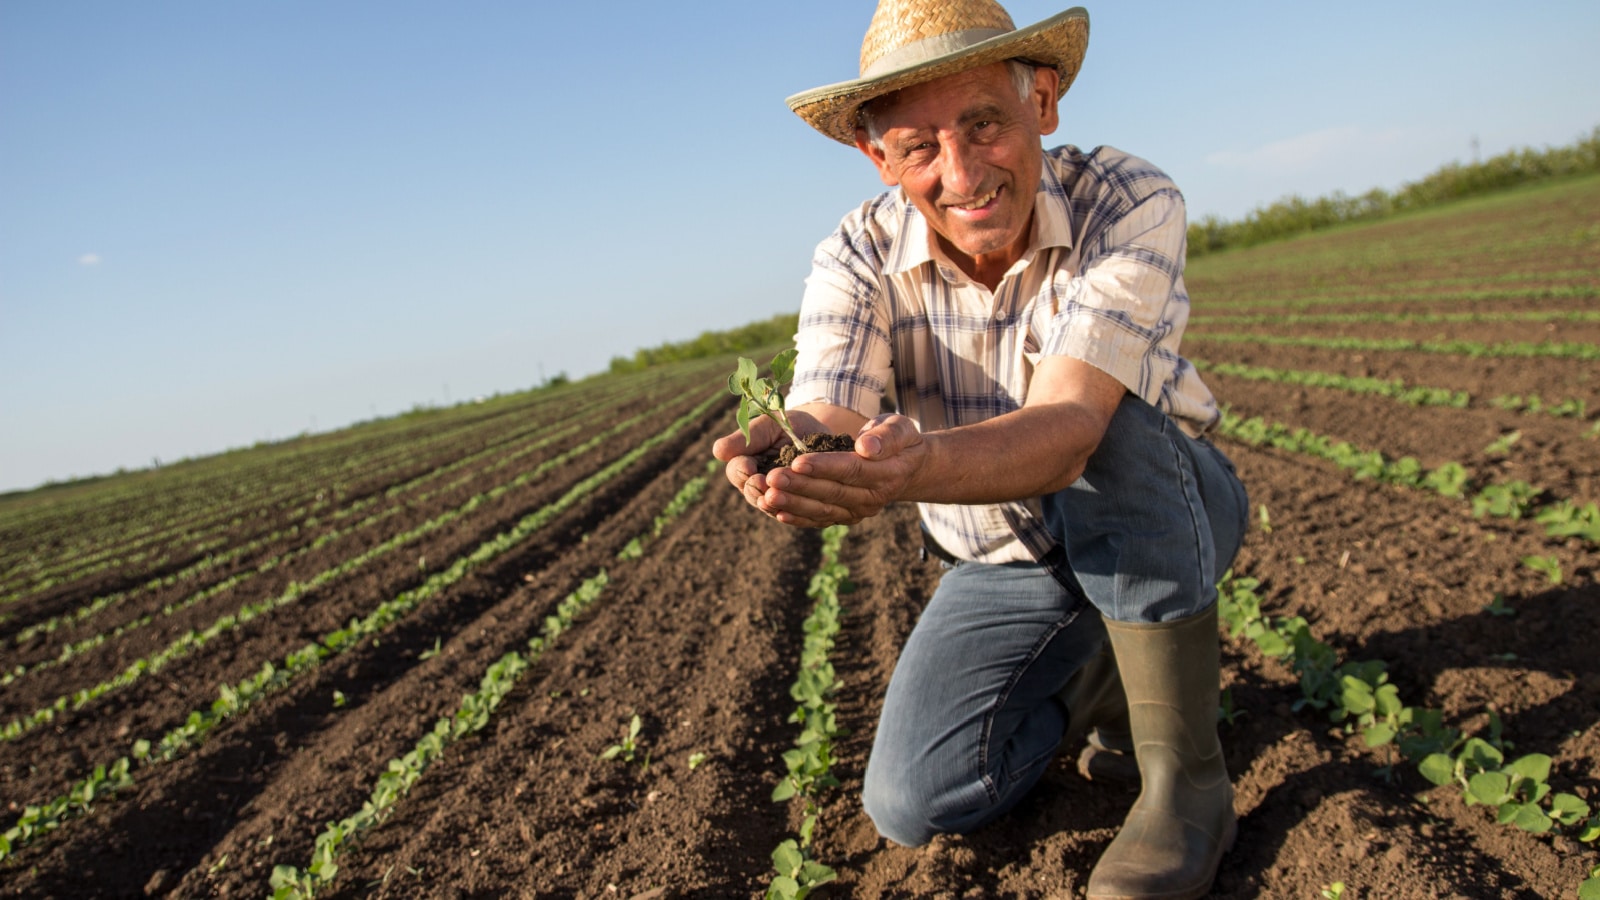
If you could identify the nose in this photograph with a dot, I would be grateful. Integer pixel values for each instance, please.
(963, 170)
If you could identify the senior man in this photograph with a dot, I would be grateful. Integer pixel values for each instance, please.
(1026, 306)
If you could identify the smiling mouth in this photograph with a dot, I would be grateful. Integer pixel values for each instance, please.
(979, 203)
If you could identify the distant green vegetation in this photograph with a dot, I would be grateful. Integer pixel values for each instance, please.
(778, 329)
(1297, 215)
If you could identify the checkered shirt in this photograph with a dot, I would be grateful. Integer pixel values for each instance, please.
(1101, 281)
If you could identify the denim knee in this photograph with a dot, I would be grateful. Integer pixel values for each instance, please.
(911, 814)
(896, 815)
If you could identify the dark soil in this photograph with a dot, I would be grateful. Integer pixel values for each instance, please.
(812, 443)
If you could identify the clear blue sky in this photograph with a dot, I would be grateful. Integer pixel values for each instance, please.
(229, 222)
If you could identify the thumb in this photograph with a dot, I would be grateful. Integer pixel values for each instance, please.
(885, 436)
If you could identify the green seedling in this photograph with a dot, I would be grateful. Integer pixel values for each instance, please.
(1333, 891)
(1549, 565)
(629, 745)
(760, 396)
(1568, 519)
(1502, 445)
(1448, 480)
(430, 654)
(697, 759)
(1264, 519)
(339, 699)
(1590, 889)
(797, 875)
(1511, 500)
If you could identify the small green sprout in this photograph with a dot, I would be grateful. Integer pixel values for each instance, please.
(1502, 445)
(760, 396)
(430, 654)
(629, 745)
(1549, 565)
(696, 759)
(1265, 519)
(338, 699)
(1333, 891)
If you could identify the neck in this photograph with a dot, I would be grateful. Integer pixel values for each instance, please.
(988, 268)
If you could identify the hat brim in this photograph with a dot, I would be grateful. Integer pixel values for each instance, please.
(1058, 41)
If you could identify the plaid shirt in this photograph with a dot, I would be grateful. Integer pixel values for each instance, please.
(1101, 281)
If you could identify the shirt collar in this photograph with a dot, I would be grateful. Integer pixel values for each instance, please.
(1052, 225)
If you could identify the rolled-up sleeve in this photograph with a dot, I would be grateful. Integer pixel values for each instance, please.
(1124, 311)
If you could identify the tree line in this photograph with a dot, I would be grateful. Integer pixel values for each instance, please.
(1454, 181)
(779, 329)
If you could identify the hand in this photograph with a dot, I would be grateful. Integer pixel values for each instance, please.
(741, 456)
(822, 489)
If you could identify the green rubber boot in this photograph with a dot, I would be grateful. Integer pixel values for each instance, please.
(1183, 821)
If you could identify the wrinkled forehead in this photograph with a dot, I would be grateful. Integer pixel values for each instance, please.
(944, 97)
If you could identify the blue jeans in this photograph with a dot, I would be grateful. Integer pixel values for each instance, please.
(970, 719)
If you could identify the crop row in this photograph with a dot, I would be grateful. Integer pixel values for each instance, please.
(1323, 296)
(195, 639)
(546, 435)
(1472, 349)
(810, 761)
(289, 882)
(193, 520)
(1406, 318)
(1359, 696)
(1396, 389)
(292, 592)
(270, 678)
(300, 493)
(1562, 517)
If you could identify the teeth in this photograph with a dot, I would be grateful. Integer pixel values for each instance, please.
(981, 201)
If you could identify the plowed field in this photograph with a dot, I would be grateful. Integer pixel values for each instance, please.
(137, 608)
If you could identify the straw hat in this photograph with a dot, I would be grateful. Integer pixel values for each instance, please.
(912, 41)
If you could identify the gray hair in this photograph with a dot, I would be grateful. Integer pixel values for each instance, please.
(1021, 79)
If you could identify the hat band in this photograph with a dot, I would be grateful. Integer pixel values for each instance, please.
(929, 48)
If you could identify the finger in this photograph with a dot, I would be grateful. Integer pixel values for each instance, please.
(845, 468)
(754, 489)
(739, 470)
(818, 499)
(803, 513)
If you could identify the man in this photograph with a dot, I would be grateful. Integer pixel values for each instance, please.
(1026, 307)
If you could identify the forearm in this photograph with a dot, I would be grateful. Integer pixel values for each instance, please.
(1031, 452)
(1036, 450)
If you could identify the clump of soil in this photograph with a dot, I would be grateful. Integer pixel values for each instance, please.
(811, 443)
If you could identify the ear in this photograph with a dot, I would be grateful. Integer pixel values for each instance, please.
(1046, 81)
(878, 157)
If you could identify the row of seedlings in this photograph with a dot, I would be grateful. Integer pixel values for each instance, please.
(290, 882)
(43, 818)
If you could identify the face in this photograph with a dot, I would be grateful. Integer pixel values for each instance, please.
(965, 148)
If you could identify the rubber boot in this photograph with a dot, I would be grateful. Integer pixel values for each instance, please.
(1097, 709)
(1183, 821)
